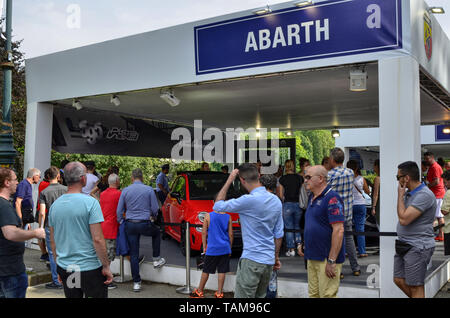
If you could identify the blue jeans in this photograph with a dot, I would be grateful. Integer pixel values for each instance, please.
(14, 286)
(50, 257)
(134, 232)
(359, 219)
(291, 217)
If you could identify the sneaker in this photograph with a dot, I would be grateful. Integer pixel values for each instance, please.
(196, 294)
(356, 273)
(44, 258)
(290, 253)
(112, 286)
(217, 295)
(159, 263)
(141, 259)
(439, 239)
(52, 285)
(342, 276)
(137, 287)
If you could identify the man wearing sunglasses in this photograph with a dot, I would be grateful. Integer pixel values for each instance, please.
(415, 245)
(324, 235)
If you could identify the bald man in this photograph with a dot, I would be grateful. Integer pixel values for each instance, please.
(324, 235)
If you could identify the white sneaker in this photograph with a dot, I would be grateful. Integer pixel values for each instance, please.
(290, 253)
(159, 263)
(137, 287)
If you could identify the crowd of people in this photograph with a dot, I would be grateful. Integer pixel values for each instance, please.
(313, 212)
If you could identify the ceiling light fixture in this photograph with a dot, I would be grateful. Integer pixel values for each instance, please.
(436, 10)
(335, 133)
(358, 79)
(76, 104)
(115, 100)
(304, 3)
(169, 97)
(263, 11)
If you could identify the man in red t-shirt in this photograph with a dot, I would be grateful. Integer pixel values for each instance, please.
(43, 185)
(436, 184)
(109, 199)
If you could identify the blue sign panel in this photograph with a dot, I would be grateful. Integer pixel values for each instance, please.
(441, 134)
(328, 29)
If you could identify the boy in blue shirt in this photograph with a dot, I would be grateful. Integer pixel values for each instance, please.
(217, 238)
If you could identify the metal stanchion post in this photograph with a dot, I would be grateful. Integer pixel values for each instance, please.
(187, 289)
(121, 278)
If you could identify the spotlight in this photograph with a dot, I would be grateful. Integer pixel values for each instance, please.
(335, 133)
(446, 130)
(358, 79)
(436, 10)
(263, 11)
(169, 97)
(303, 3)
(76, 104)
(115, 100)
(289, 133)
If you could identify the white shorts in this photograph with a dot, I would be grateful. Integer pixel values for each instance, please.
(438, 208)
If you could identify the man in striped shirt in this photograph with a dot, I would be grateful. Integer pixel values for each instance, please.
(341, 180)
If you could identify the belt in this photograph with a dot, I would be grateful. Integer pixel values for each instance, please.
(137, 221)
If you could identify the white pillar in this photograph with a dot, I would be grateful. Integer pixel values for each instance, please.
(38, 137)
(399, 109)
(347, 155)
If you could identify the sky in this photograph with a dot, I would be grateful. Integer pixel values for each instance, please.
(48, 26)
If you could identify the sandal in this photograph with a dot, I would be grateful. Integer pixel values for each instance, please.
(196, 294)
(217, 295)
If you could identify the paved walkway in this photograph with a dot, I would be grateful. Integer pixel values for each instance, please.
(149, 290)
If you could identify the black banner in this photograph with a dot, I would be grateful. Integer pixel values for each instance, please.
(103, 133)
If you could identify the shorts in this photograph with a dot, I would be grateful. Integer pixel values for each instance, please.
(220, 263)
(252, 279)
(413, 265)
(446, 243)
(438, 208)
(111, 249)
(88, 284)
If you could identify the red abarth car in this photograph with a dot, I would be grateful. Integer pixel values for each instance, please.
(190, 199)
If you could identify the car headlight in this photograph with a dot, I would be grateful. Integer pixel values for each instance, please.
(201, 216)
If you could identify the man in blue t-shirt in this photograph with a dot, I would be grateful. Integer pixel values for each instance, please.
(77, 239)
(23, 198)
(162, 184)
(324, 235)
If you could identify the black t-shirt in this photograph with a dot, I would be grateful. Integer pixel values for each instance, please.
(291, 184)
(11, 253)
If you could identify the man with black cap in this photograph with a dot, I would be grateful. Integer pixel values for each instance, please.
(162, 183)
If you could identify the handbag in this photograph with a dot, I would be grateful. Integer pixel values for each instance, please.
(27, 216)
(401, 248)
(303, 198)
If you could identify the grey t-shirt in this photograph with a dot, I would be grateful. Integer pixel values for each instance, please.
(419, 233)
(49, 195)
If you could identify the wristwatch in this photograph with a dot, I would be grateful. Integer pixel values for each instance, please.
(331, 261)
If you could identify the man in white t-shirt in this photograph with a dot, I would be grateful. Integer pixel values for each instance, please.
(91, 179)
